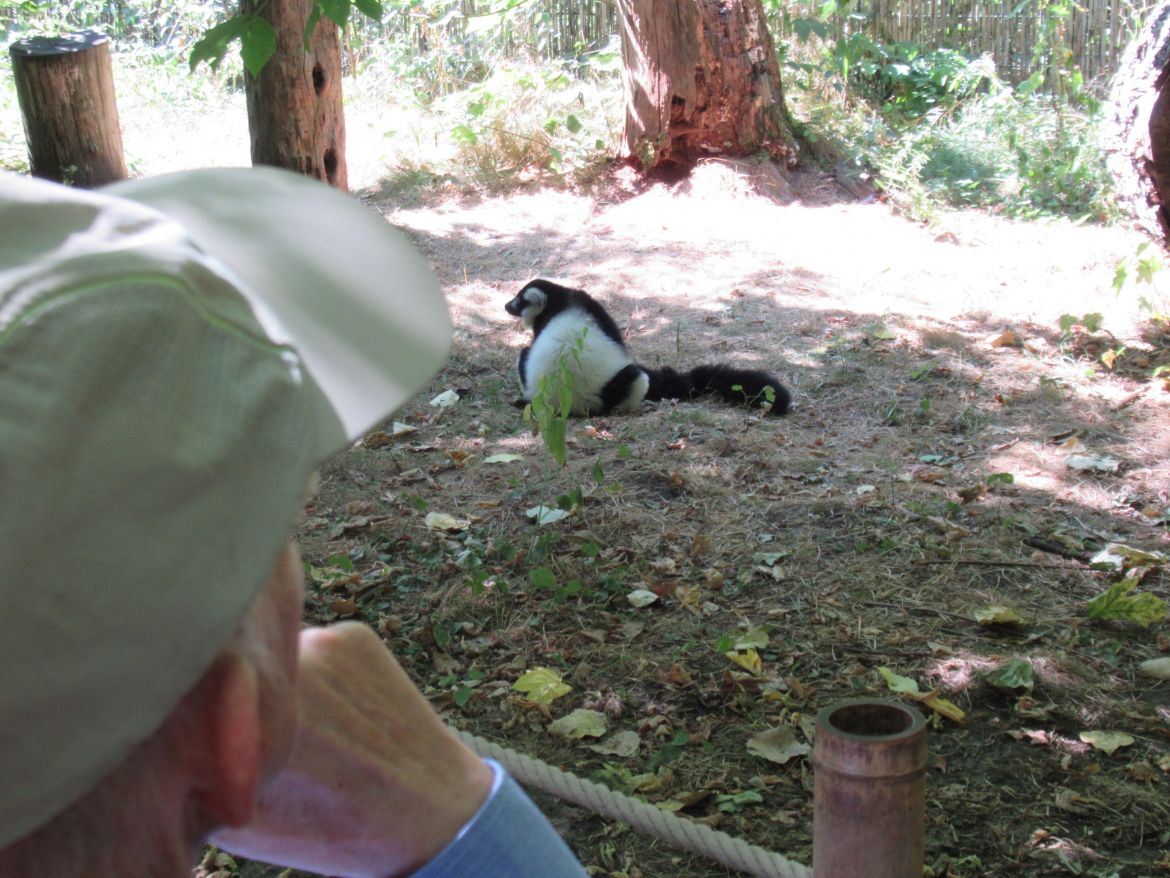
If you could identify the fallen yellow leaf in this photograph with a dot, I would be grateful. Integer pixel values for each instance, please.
(542, 685)
(748, 659)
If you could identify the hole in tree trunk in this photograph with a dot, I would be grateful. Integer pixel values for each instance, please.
(331, 165)
(318, 79)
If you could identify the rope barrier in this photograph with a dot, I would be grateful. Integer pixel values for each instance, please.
(676, 831)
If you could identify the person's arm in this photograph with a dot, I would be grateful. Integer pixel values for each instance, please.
(508, 838)
(378, 787)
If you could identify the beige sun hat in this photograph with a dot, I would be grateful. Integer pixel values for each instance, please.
(177, 354)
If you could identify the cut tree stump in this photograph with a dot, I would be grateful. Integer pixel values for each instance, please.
(65, 87)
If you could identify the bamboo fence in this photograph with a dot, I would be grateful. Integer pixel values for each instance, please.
(1094, 32)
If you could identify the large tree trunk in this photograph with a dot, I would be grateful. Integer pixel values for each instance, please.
(294, 106)
(65, 88)
(701, 79)
(1137, 125)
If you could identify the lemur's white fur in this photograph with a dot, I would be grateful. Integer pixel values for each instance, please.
(559, 337)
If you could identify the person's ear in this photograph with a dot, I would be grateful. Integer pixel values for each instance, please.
(233, 737)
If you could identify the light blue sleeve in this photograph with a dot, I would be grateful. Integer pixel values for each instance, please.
(507, 838)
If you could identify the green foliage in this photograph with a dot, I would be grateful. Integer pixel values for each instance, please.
(937, 128)
(257, 43)
(553, 401)
(1015, 675)
(1090, 322)
(671, 750)
(1004, 151)
(1123, 602)
(258, 38)
(543, 578)
(907, 79)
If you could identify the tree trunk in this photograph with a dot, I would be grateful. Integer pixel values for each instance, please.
(701, 78)
(294, 106)
(65, 88)
(1137, 125)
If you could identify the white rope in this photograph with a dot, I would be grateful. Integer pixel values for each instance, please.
(675, 831)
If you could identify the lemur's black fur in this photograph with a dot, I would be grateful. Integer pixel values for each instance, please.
(605, 376)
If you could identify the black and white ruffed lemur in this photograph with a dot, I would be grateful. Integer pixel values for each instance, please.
(605, 377)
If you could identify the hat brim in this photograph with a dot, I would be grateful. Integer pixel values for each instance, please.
(361, 306)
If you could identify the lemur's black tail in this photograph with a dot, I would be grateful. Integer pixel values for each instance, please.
(742, 386)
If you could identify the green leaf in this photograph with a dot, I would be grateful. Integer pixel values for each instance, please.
(505, 457)
(757, 638)
(542, 577)
(573, 123)
(1148, 267)
(371, 9)
(598, 472)
(730, 803)
(464, 134)
(624, 452)
(1105, 740)
(475, 109)
(1032, 83)
(997, 615)
(1124, 603)
(769, 559)
(257, 44)
(554, 434)
(898, 683)
(336, 10)
(581, 723)
(1120, 276)
(1015, 675)
(212, 46)
(1001, 479)
(462, 695)
(341, 561)
(546, 514)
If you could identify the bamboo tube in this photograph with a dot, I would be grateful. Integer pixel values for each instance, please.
(869, 760)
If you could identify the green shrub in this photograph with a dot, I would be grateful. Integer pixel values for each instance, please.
(907, 80)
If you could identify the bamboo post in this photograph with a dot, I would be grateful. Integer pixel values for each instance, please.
(869, 762)
(65, 88)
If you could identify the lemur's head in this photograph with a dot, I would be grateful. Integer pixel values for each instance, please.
(528, 303)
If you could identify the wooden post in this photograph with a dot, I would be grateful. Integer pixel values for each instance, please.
(65, 87)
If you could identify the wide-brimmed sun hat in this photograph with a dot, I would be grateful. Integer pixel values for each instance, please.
(177, 354)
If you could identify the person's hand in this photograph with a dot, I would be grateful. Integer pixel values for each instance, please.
(376, 785)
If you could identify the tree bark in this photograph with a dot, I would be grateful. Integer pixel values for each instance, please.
(1137, 125)
(295, 113)
(65, 88)
(701, 79)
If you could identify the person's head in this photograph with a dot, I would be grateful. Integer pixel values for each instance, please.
(176, 357)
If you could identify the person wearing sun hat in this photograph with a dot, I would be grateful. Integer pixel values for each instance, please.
(177, 355)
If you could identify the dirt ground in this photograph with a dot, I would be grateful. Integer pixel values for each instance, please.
(861, 530)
